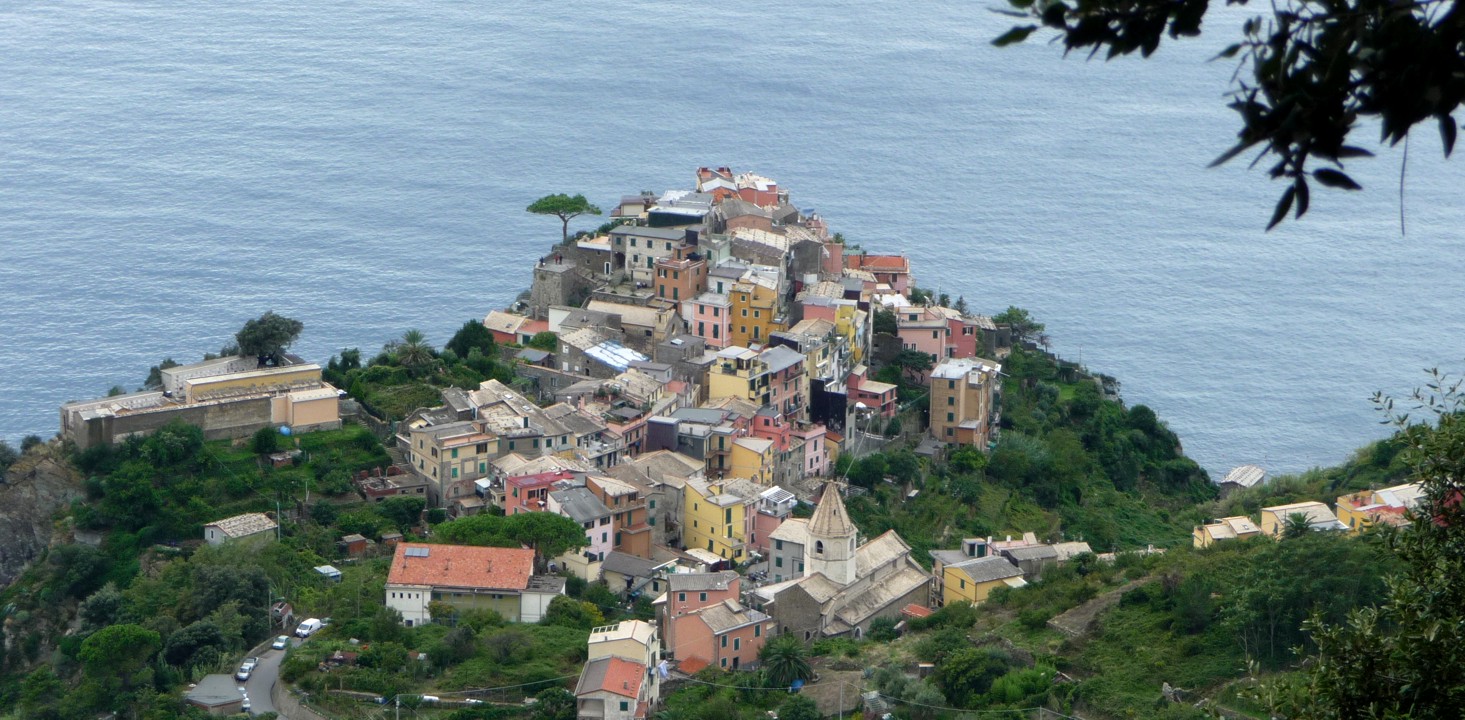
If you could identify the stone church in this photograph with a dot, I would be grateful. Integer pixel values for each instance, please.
(846, 586)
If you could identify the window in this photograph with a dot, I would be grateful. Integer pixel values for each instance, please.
(703, 597)
(483, 467)
(745, 312)
(455, 453)
(604, 537)
(633, 242)
(625, 706)
(724, 660)
(778, 561)
(434, 452)
(757, 631)
(950, 417)
(724, 641)
(737, 643)
(653, 504)
(618, 538)
(950, 384)
(757, 313)
(727, 515)
(818, 547)
(777, 544)
(455, 472)
(963, 584)
(681, 597)
(950, 399)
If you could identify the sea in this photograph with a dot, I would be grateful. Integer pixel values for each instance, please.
(171, 168)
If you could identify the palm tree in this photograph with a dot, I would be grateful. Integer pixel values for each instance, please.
(1297, 525)
(413, 352)
(785, 660)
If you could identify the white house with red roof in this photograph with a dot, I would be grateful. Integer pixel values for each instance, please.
(613, 688)
(466, 577)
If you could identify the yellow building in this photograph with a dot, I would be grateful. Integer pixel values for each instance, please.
(450, 456)
(753, 458)
(718, 516)
(963, 393)
(974, 579)
(1388, 505)
(1239, 527)
(754, 313)
(1319, 517)
(739, 373)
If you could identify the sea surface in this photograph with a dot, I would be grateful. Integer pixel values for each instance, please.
(171, 168)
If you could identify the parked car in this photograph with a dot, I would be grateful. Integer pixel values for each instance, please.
(307, 627)
(246, 668)
(280, 643)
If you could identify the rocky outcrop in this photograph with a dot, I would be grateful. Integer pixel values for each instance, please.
(30, 493)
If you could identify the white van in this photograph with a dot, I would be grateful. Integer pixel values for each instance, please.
(309, 626)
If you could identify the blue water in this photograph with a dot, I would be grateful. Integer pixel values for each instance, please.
(170, 168)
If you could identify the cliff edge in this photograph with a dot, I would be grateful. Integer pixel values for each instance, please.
(30, 492)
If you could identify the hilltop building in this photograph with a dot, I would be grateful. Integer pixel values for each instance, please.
(229, 397)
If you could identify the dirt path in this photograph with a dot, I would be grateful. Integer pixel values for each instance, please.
(1076, 622)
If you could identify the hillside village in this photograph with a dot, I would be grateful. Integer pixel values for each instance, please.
(685, 380)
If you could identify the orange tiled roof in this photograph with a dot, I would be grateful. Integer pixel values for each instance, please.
(916, 611)
(878, 262)
(622, 677)
(692, 665)
(461, 566)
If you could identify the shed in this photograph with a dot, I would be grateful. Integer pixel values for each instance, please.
(216, 694)
(329, 572)
(353, 544)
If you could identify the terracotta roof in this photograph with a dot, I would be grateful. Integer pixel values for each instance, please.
(874, 262)
(613, 675)
(692, 665)
(916, 611)
(461, 566)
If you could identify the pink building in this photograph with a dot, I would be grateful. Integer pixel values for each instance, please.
(709, 316)
(770, 425)
(892, 270)
(686, 592)
(725, 635)
(530, 493)
(878, 396)
(816, 452)
(774, 506)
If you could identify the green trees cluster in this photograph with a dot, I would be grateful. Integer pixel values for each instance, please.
(410, 373)
(548, 534)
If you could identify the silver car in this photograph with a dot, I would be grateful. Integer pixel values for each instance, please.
(246, 668)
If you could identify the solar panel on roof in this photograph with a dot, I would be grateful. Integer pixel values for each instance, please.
(416, 552)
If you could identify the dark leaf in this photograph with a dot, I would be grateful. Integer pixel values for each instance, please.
(1302, 195)
(1352, 151)
(1233, 152)
(1011, 13)
(1015, 35)
(1447, 133)
(1283, 206)
(1021, 4)
(1229, 52)
(1054, 15)
(1333, 178)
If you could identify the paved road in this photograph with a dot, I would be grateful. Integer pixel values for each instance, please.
(265, 674)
